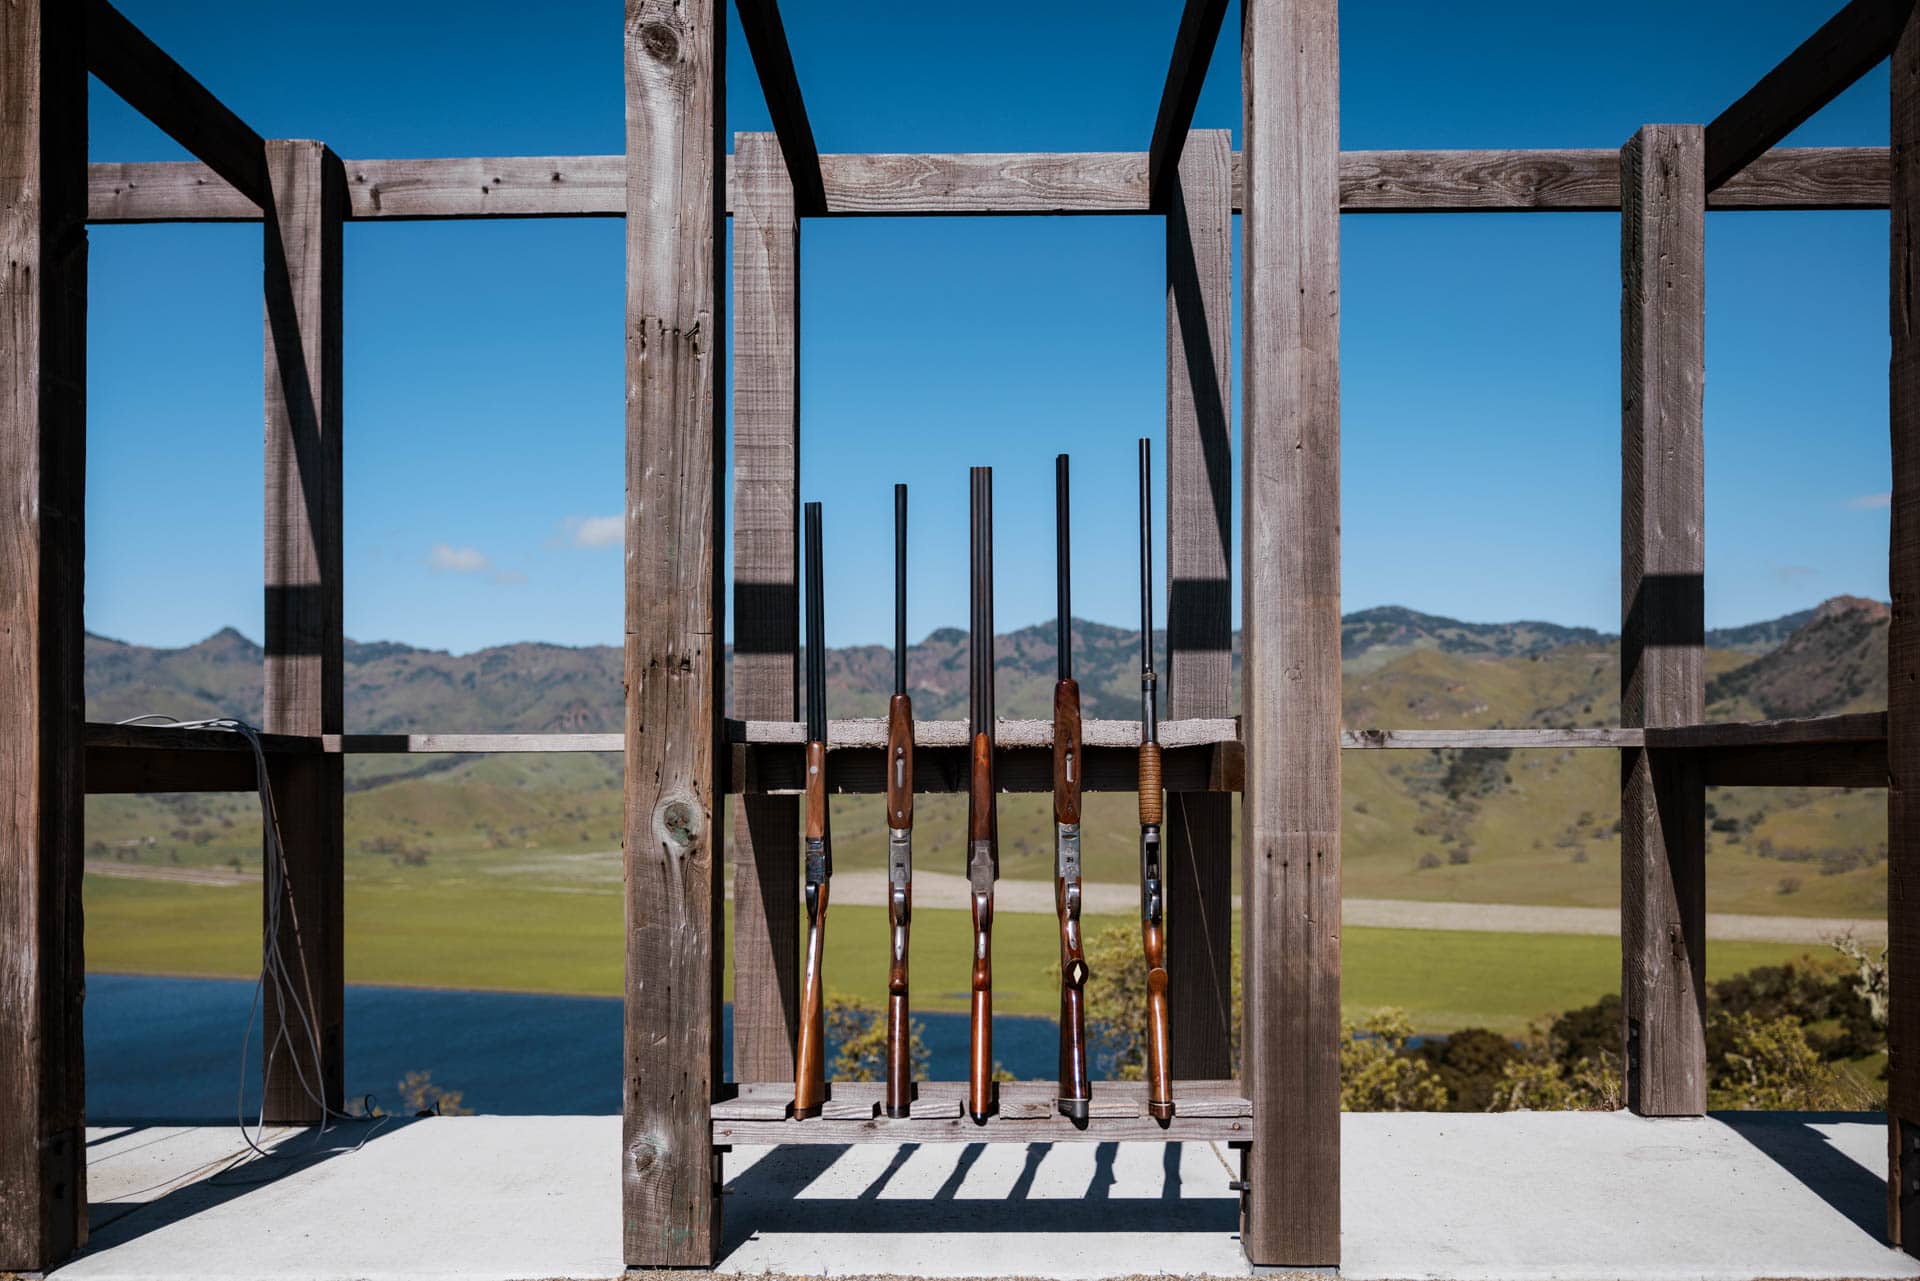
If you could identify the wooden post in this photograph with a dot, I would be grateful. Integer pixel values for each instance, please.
(1290, 264)
(304, 674)
(1199, 592)
(1663, 682)
(766, 579)
(676, 450)
(43, 335)
(1903, 655)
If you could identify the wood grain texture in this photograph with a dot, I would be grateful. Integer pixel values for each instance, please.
(162, 90)
(1290, 432)
(1855, 765)
(773, 60)
(766, 584)
(1024, 1113)
(676, 464)
(1845, 48)
(304, 665)
(43, 310)
(871, 731)
(1564, 180)
(1903, 639)
(1199, 505)
(1663, 629)
(1193, 46)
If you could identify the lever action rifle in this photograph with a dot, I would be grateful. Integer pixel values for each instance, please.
(899, 831)
(810, 1067)
(1152, 893)
(982, 828)
(1075, 1093)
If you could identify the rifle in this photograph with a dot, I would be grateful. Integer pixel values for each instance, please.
(899, 830)
(1075, 1092)
(1152, 896)
(982, 826)
(809, 1071)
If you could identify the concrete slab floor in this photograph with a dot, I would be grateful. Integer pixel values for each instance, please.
(1514, 1197)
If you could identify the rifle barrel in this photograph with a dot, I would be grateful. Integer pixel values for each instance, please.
(899, 589)
(982, 852)
(809, 1069)
(1064, 609)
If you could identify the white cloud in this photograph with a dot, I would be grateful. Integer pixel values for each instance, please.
(445, 559)
(1867, 502)
(596, 531)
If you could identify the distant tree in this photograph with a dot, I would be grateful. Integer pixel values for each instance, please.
(860, 1030)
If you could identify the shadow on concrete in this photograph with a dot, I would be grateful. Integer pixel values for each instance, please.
(765, 1197)
(1790, 1140)
(112, 1223)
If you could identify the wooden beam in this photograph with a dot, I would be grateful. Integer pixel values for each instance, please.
(43, 361)
(766, 599)
(1193, 47)
(773, 60)
(1840, 764)
(1903, 652)
(676, 465)
(305, 672)
(1199, 506)
(1095, 183)
(1663, 677)
(1810, 77)
(1204, 1111)
(161, 90)
(1290, 432)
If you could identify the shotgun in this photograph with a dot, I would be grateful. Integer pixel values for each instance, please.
(1152, 895)
(810, 1066)
(899, 831)
(1075, 1093)
(982, 833)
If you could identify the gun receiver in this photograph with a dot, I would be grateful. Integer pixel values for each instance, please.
(1075, 1091)
(982, 827)
(1152, 888)
(899, 832)
(809, 1069)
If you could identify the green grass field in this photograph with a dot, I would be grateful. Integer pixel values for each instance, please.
(472, 932)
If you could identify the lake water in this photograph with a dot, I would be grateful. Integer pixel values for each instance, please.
(170, 1047)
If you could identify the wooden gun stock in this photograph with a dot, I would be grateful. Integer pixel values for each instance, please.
(1075, 1090)
(980, 879)
(810, 1065)
(899, 902)
(1153, 935)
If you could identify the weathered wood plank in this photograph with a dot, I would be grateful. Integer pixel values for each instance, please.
(1199, 826)
(124, 770)
(305, 671)
(43, 326)
(1845, 48)
(1852, 727)
(1193, 46)
(1571, 181)
(1203, 1111)
(1663, 629)
(162, 90)
(766, 616)
(1903, 650)
(675, 53)
(1290, 432)
(773, 60)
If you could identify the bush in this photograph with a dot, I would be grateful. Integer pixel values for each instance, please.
(1378, 1075)
(861, 1032)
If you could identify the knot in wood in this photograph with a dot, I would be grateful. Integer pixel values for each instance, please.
(679, 823)
(644, 1152)
(661, 42)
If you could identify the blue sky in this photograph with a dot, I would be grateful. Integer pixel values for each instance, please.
(483, 360)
